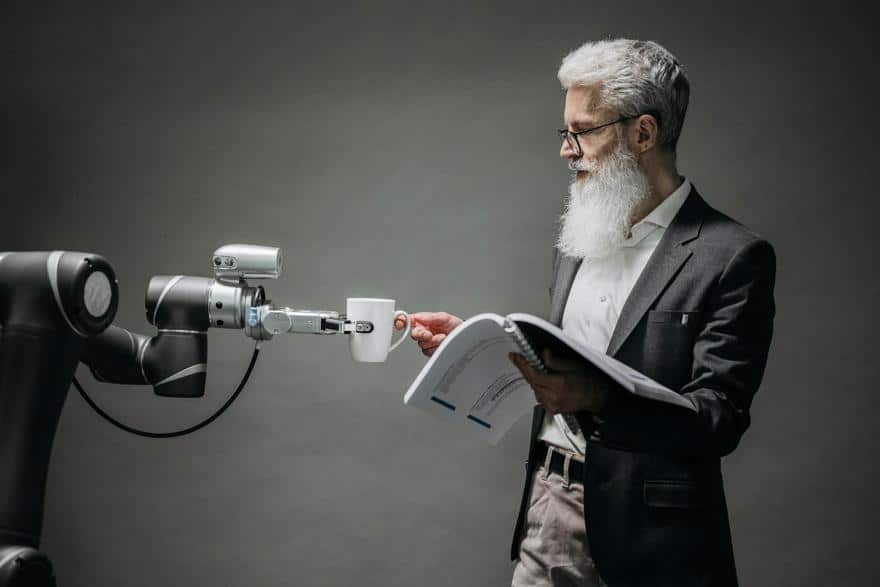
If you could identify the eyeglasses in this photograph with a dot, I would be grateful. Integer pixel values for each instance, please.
(572, 137)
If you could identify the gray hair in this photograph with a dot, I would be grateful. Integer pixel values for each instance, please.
(634, 77)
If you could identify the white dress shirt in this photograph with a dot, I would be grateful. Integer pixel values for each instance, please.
(600, 289)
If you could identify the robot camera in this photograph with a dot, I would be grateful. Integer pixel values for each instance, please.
(246, 262)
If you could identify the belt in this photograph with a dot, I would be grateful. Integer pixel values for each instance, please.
(557, 462)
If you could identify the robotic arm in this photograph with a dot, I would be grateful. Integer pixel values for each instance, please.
(182, 308)
(56, 309)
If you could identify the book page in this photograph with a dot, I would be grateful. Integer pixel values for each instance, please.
(470, 380)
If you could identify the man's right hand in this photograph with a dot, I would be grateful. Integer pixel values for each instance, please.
(429, 328)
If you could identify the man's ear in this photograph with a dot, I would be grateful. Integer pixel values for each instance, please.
(646, 133)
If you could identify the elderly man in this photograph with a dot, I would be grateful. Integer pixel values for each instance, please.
(648, 272)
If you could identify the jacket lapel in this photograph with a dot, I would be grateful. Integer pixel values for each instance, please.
(664, 264)
(566, 269)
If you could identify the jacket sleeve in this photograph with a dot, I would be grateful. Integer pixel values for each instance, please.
(729, 357)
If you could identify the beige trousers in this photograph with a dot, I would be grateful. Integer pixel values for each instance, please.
(554, 549)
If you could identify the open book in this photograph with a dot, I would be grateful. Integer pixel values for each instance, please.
(470, 380)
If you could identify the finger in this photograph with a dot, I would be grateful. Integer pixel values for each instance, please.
(528, 372)
(416, 320)
(417, 317)
(423, 318)
(438, 338)
(420, 333)
(438, 321)
(546, 391)
(544, 397)
(400, 323)
(432, 318)
(517, 361)
(534, 376)
(514, 359)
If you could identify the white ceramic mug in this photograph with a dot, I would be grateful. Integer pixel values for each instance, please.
(373, 347)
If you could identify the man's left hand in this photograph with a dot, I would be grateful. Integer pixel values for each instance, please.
(570, 386)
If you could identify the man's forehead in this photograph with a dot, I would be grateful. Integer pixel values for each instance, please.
(582, 104)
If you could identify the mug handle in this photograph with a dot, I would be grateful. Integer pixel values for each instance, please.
(405, 332)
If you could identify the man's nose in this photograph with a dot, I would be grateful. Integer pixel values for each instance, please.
(566, 152)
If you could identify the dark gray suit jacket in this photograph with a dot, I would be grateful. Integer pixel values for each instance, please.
(654, 503)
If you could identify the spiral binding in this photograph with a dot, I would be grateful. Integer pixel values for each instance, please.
(567, 422)
(524, 345)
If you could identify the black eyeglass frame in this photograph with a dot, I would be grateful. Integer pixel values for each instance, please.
(567, 135)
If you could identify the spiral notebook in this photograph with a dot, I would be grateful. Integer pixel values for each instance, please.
(470, 381)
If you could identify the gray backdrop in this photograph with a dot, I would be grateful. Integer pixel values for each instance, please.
(408, 151)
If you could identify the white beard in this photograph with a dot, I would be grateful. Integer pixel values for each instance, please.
(598, 211)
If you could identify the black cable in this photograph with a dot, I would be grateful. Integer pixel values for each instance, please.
(177, 433)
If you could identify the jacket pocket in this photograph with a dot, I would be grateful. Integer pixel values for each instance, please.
(672, 494)
(687, 319)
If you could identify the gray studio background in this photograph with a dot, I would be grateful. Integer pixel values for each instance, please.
(403, 150)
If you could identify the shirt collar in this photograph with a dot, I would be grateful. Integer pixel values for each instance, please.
(662, 215)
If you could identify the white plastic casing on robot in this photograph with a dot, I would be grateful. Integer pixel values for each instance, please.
(236, 262)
